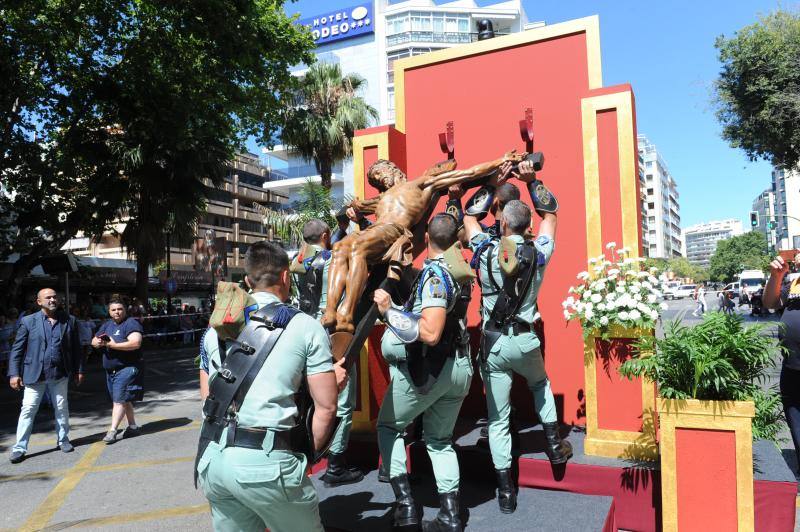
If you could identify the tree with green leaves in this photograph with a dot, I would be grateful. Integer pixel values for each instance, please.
(758, 90)
(741, 252)
(322, 115)
(119, 110)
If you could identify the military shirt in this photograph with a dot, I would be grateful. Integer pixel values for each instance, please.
(529, 312)
(303, 348)
(299, 280)
(434, 294)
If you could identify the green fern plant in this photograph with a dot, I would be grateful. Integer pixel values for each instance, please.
(719, 359)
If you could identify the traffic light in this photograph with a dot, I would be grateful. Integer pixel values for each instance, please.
(772, 225)
(753, 219)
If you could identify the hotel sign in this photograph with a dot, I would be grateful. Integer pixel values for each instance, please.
(340, 24)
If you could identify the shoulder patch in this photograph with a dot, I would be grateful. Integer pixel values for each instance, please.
(436, 288)
(543, 240)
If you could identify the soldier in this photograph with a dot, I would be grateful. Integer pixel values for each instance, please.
(252, 474)
(431, 371)
(310, 271)
(509, 343)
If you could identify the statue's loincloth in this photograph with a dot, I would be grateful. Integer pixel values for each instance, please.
(399, 242)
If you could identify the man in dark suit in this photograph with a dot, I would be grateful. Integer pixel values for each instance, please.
(46, 353)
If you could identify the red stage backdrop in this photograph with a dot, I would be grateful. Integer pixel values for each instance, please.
(586, 132)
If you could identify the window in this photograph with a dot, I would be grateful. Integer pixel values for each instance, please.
(649, 191)
(648, 164)
(651, 205)
(251, 226)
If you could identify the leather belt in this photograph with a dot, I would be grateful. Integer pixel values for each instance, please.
(516, 328)
(253, 438)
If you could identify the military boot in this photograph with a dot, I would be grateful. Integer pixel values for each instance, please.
(506, 491)
(406, 513)
(448, 519)
(558, 450)
(338, 473)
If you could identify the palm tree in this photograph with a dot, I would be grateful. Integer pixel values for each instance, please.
(322, 115)
(167, 198)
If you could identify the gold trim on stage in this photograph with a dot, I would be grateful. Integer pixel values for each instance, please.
(734, 416)
(588, 25)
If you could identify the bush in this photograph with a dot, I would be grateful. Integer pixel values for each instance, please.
(718, 360)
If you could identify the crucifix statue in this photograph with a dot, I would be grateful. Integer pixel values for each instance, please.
(400, 206)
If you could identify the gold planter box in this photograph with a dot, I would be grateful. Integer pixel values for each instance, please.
(706, 464)
(620, 414)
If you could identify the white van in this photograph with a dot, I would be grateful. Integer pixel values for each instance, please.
(751, 281)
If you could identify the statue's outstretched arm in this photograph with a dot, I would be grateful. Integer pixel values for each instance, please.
(366, 206)
(456, 177)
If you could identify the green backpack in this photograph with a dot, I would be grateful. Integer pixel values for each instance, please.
(231, 310)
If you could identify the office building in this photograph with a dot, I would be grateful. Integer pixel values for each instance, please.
(661, 207)
(764, 206)
(786, 190)
(701, 239)
(367, 39)
(232, 212)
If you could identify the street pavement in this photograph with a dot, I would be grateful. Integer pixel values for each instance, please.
(142, 483)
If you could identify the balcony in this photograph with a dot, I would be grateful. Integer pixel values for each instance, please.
(446, 37)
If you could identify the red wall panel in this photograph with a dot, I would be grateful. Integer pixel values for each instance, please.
(706, 481)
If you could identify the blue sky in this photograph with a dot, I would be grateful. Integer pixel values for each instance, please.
(665, 50)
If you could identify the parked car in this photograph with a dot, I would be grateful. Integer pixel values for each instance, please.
(668, 288)
(684, 290)
(731, 288)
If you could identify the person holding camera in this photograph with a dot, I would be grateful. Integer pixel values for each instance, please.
(782, 291)
(121, 341)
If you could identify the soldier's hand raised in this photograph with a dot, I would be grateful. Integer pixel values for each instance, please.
(383, 300)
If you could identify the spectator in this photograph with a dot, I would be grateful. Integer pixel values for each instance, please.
(85, 329)
(186, 327)
(121, 338)
(783, 292)
(46, 352)
(700, 296)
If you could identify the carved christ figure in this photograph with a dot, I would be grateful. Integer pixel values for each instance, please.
(399, 207)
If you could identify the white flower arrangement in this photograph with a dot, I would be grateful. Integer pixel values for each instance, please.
(619, 292)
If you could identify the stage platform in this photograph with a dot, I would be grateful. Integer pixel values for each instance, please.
(634, 486)
(367, 506)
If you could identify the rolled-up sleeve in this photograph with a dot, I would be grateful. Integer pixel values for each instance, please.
(319, 348)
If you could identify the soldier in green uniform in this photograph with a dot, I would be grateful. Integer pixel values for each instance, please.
(310, 273)
(251, 475)
(431, 372)
(509, 344)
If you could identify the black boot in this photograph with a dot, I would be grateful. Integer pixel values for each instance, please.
(406, 514)
(506, 491)
(383, 473)
(558, 450)
(448, 519)
(338, 473)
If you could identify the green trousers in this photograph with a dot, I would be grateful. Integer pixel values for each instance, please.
(440, 407)
(513, 354)
(345, 405)
(253, 489)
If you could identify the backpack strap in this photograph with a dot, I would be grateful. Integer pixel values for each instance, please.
(236, 374)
